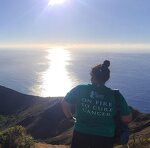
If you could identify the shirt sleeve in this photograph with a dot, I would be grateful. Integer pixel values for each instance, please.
(124, 108)
(73, 96)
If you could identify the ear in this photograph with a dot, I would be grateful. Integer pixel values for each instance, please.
(93, 79)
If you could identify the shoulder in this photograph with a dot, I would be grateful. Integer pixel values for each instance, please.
(80, 87)
(114, 90)
(116, 93)
(84, 86)
(76, 92)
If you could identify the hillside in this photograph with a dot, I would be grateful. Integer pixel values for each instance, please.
(39, 115)
(11, 102)
(44, 120)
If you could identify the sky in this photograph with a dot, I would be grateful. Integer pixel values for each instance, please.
(75, 22)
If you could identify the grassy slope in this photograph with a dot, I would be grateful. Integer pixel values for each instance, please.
(40, 116)
(44, 145)
(12, 102)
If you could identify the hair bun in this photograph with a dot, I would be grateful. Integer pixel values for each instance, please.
(106, 64)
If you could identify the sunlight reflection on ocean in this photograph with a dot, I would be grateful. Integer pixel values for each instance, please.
(56, 80)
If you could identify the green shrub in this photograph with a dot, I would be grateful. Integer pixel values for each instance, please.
(2, 118)
(16, 137)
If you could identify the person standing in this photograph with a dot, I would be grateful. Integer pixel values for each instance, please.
(95, 108)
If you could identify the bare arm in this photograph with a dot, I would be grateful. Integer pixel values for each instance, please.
(67, 109)
(126, 119)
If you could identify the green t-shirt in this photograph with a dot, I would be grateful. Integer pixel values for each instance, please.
(95, 109)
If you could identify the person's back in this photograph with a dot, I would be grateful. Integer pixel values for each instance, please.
(95, 110)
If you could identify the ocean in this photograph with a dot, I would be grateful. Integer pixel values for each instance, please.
(53, 72)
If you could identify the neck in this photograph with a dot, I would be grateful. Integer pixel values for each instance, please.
(99, 84)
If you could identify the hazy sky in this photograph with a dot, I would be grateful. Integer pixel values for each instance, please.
(75, 21)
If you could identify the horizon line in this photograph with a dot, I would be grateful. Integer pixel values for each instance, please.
(79, 45)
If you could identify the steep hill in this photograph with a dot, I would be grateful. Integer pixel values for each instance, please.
(12, 101)
(39, 115)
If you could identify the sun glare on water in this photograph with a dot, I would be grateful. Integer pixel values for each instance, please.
(56, 2)
(56, 80)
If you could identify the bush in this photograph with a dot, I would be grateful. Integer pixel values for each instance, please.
(16, 137)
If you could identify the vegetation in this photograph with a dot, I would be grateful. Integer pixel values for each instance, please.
(3, 120)
(6, 120)
(16, 137)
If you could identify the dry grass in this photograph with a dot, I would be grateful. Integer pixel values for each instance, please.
(140, 139)
(43, 145)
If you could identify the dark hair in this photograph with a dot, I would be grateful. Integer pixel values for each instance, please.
(101, 72)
